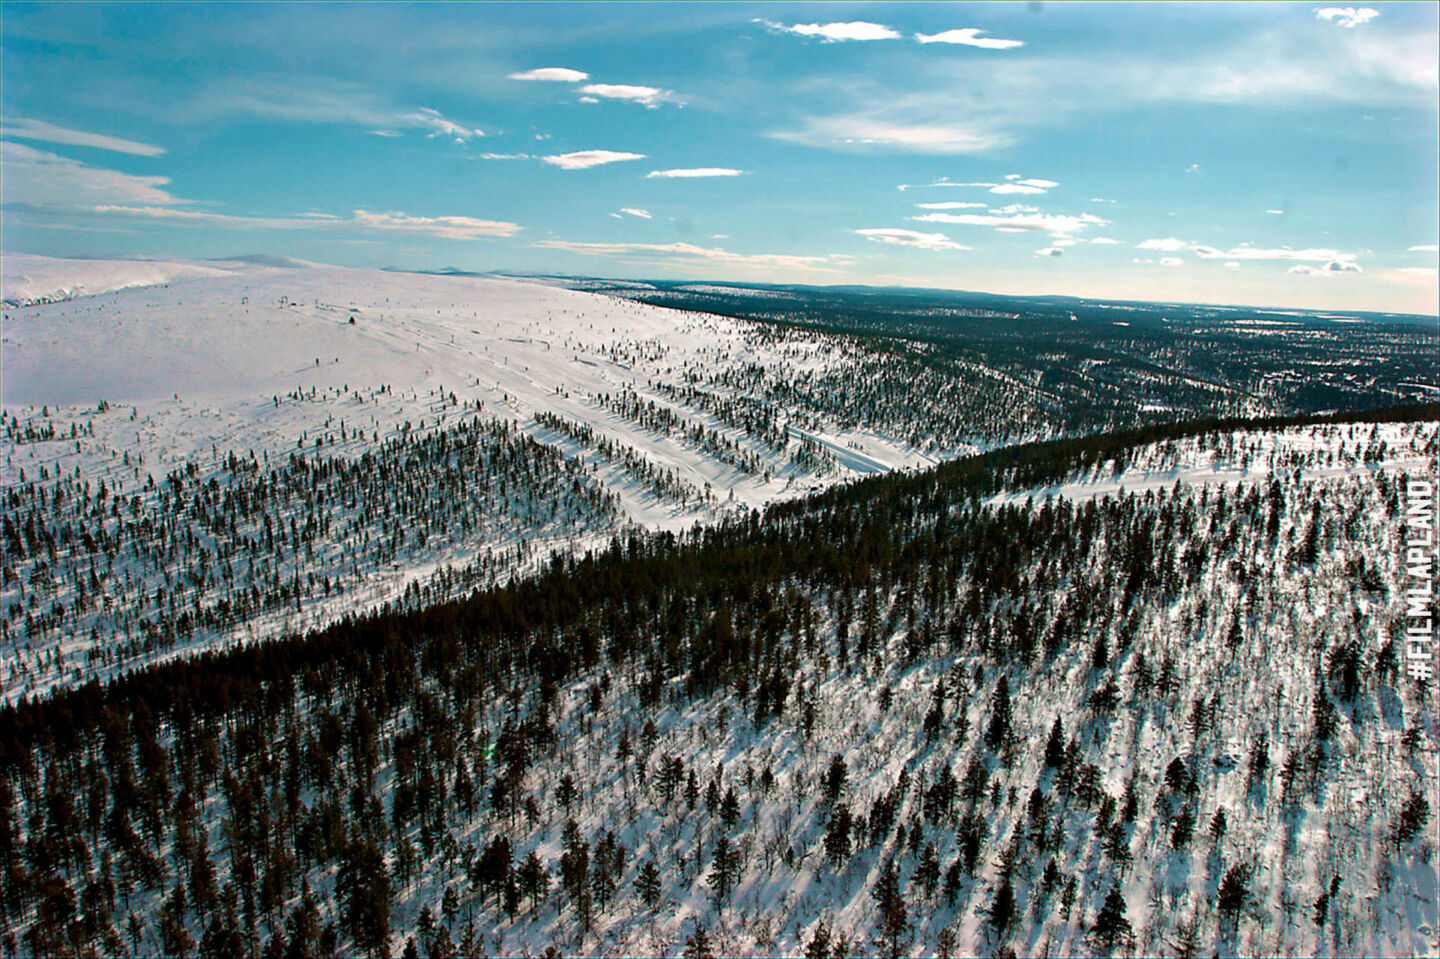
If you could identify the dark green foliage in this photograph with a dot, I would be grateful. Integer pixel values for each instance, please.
(1111, 927)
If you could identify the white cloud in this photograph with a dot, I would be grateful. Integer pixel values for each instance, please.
(1347, 17)
(834, 32)
(689, 253)
(552, 74)
(633, 211)
(1193, 168)
(1168, 244)
(649, 96)
(1014, 184)
(864, 132)
(433, 121)
(27, 129)
(1050, 251)
(506, 156)
(584, 159)
(1171, 261)
(922, 241)
(692, 173)
(1019, 219)
(1105, 241)
(1246, 252)
(1231, 265)
(322, 100)
(970, 37)
(951, 205)
(43, 179)
(1276, 212)
(443, 227)
(1329, 269)
(1425, 248)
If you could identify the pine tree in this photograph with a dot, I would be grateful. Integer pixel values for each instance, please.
(894, 921)
(1003, 907)
(647, 884)
(1111, 927)
(1055, 745)
(722, 870)
(819, 945)
(998, 732)
(698, 946)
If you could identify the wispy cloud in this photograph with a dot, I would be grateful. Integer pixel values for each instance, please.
(1013, 183)
(1425, 248)
(1347, 17)
(692, 173)
(443, 227)
(551, 74)
(689, 253)
(1171, 261)
(914, 238)
(1169, 244)
(1050, 251)
(1247, 252)
(27, 129)
(952, 205)
(835, 32)
(42, 179)
(649, 96)
(970, 37)
(634, 211)
(324, 100)
(584, 159)
(1333, 268)
(507, 156)
(863, 132)
(1019, 219)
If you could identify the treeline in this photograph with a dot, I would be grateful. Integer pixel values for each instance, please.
(209, 550)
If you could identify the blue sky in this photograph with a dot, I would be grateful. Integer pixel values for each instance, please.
(1267, 154)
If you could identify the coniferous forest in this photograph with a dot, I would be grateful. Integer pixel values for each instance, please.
(908, 715)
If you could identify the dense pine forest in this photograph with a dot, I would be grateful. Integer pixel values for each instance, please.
(914, 714)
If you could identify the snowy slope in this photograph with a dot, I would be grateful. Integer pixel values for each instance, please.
(178, 366)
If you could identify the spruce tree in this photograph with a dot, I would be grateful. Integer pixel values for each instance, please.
(1111, 927)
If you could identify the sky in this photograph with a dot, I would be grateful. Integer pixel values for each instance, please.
(1241, 153)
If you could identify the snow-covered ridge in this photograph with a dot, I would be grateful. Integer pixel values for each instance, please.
(184, 368)
(27, 279)
(1322, 452)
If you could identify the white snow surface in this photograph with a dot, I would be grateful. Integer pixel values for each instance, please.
(167, 365)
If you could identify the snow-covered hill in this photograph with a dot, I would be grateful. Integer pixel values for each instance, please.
(178, 367)
(895, 719)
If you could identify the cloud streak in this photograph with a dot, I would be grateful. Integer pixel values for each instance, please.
(42, 179)
(692, 173)
(441, 227)
(550, 75)
(970, 37)
(648, 96)
(585, 159)
(1019, 219)
(864, 133)
(27, 129)
(691, 254)
(835, 32)
(911, 238)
